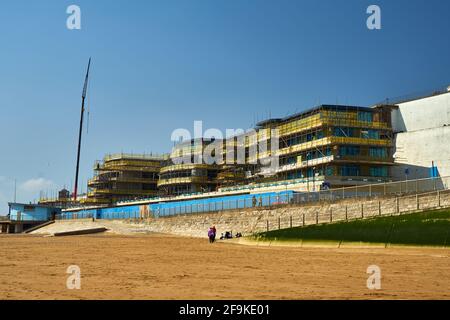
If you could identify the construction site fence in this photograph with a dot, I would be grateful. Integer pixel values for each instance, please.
(270, 200)
(291, 198)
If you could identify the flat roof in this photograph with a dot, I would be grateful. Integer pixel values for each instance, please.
(313, 110)
(414, 97)
(131, 156)
(31, 204)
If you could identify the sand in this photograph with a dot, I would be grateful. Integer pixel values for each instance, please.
(166, 267)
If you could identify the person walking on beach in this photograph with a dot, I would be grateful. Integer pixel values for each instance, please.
(212, 234)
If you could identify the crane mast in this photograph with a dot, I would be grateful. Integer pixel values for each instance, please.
(83, 98)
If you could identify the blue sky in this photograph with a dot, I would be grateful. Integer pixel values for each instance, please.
(160, 65)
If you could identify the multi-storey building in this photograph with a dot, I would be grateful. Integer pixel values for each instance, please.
(124, 176)
(339, 145)
(186, 170)
(327, 146)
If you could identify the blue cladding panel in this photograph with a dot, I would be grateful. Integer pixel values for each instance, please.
(434, 173)
(163, 209)
(24, 212)
(125, 212)
(221, 203)
(82, 214)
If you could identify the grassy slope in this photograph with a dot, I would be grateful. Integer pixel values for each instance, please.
(427, 228)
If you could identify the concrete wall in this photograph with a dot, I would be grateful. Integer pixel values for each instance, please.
(422, 130)
(422, 114)
(250, 221)
(418, 149)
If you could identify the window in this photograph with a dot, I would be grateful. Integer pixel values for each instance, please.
(365, 116)
(349, 150)
(343, 132)
(329, 171)
(378, 171)
(370, 134)
(350, 171)
(294, 175)
(378, 152)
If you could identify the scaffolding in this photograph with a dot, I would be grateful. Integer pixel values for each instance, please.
(322, 131)
(124, 176)
(310, 144)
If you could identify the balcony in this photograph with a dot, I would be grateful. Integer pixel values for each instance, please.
(128, 192)
(185, 166)
(361, 141)
(126, 166)
(365, 159)
(305, 164)
(130, 156)
(332, 140)
(183, 180)
(98, 180)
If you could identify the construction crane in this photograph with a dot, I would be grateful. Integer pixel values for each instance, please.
(83, 98)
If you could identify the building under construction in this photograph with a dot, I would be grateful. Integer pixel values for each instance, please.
(332, 144)
(186, 172)
(124, 176)
(325, 147)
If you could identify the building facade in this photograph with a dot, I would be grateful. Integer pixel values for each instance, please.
(186, 171)
(422, 136)
(124, 176)
(22, 216)
(329, 146)
(332, 145)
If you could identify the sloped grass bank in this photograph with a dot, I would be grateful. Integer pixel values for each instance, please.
(431, 228)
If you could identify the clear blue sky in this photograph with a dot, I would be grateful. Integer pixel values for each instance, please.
(160, 65)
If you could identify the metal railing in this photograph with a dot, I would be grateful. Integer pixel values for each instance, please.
(384, 189)
(132, 156)
(414, 96)
(75, 216)
(381, 207)
(302, 198)
(290, 198)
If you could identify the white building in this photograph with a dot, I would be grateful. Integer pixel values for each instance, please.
(422, 137)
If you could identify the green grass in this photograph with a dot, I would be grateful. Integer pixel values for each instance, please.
(431, 228)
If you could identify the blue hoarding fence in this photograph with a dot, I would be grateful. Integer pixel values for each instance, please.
(222, 203)
(248, 201)
(184, 207)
